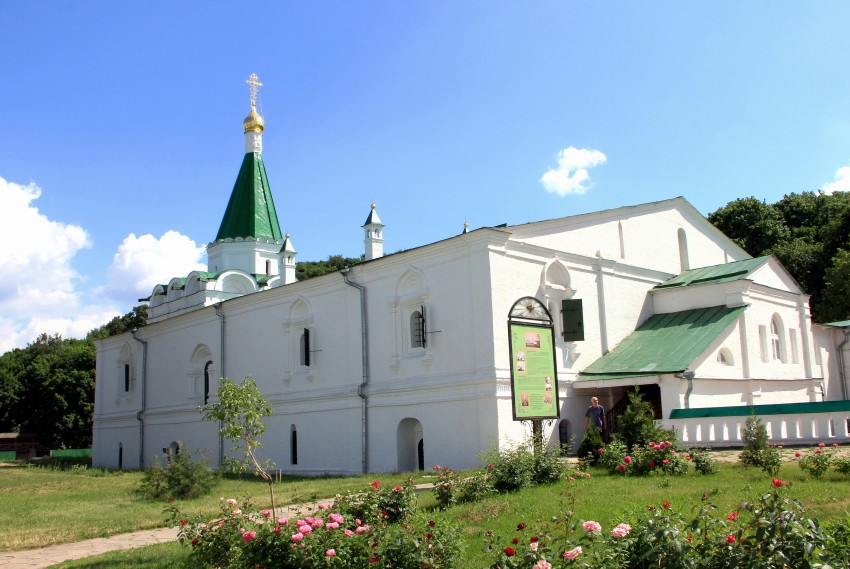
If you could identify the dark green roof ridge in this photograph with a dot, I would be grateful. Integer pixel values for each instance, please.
(250, 212)
(665, 343)
(725, 272)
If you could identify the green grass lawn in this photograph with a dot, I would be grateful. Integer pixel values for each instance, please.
(47, 506)
(604, 498)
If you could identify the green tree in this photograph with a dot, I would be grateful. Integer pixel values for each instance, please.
(48, 390)
(836, 297)
(636, 424)
(136, 318)
(308, 269)
(239, 411)
(754, 225)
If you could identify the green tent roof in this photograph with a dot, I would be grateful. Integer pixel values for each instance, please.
(716, 273)
(842, 324)
(666, 343)
(250, 211)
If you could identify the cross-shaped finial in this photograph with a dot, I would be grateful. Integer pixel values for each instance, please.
(254, 84)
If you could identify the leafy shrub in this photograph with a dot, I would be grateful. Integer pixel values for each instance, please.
(656, 458)
(475, 487)
(771, 532)
(589, 447)
(444, 488)
(548, 466)
(236, 539)
(182, 477)
(702, 460)
(755, 442)
(513, 468)
(612, 456)
(636, 424)
(816, 463)
(836, 551)
(842, 465)
(377, 504)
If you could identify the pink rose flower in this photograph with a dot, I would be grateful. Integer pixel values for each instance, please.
(265, 513)
(297, 536)
(336, 518)
(591, 526)
(665, 461)
(622, 468)
(231, 501)
(821, 444)
(542, 564)
(621, 530)
(305, 529)
(237, 512)
(534, 546)
(248, 536)
(627, 460)
(283, 521)
(331, 525)
(798, 454)
(348, 533)
(330, 552)
(573, 553)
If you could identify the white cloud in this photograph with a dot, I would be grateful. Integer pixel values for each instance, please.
(145, 261)
(36, 276)
(841, 183)
(571, 176)
(37, 280)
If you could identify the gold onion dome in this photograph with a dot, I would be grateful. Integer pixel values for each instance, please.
(253, 121)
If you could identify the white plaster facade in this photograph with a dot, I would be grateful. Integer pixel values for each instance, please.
(453, 393)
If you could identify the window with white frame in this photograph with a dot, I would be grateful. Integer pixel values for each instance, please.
(763, 342)
(776, 340)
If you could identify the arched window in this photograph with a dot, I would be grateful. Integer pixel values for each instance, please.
(724, 357)
(293, 445)
(207, 382)
(776, 339)
(417, 329)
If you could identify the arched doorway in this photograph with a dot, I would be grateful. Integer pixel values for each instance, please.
(410, 445)
(564, 437)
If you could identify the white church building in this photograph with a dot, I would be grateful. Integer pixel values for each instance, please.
(402, 361)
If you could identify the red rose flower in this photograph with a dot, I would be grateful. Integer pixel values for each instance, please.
(509, 551)
(730, 539)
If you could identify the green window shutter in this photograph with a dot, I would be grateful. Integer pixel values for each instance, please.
(572, 319)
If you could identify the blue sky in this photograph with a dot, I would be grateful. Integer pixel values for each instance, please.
(120, 125)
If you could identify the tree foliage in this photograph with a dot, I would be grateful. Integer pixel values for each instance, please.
(47, 388)
(308, 269)
(807, 232)
(239, 411)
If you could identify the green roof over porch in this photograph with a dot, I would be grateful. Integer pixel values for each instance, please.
(665, 343)
(250, 211)
(716, 273)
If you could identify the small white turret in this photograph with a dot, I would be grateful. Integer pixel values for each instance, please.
(373, 235)
(287, 262)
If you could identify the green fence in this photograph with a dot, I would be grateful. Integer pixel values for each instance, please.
(71, 452)
(6, 455)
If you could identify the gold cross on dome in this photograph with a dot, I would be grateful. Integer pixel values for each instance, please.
(254, 84)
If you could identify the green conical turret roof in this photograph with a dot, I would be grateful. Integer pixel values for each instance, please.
(250, 211)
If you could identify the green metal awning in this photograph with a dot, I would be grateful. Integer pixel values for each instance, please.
(716, 273)
(666, 343)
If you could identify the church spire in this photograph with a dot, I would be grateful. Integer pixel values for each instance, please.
(250, 212)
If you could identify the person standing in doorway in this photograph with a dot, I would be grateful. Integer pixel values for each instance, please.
(595, 416)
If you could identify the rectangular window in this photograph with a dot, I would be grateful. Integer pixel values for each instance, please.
(572, 319)
(305, 347)
(126, 378)
(763, 342)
